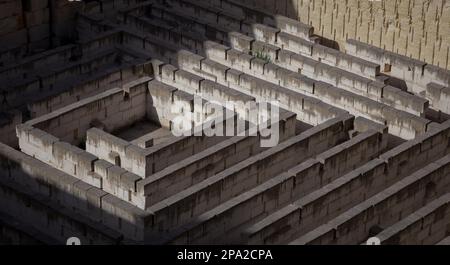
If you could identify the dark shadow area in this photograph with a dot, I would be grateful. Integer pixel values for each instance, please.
(144, 128)
(301, 127)
(327, 42)
(436, 116)
(35, 210)
(393, 81)
(394, 141)
(115, 44)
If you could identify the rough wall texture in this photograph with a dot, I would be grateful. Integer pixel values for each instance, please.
(415, 28)
(35, 25)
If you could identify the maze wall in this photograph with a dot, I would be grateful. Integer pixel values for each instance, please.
(88, 150)
(416, 28)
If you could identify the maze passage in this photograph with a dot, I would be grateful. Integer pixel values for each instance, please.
(88, 147)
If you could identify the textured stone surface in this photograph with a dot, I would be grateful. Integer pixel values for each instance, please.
(364, 132)
(418, 29)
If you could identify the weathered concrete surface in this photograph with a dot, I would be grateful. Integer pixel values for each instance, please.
(364, 132)
(418, 29)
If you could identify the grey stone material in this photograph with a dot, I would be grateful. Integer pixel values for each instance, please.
(403, 231)
(267, 51)
(438, 96)
(265, 33)
(301, 173)
(294, 27)
(257, 66)
(376, 89)
(216, 69)
(101, 167)
(362, 124)
(380, 203)
(405, 100)
(295, 43)
(186, 78)
(307, 65)
(64, 188)
(240, 41)
(417, 74)
(300, 82)
(213, 49)
(161, 208)
(189, 58)
(398, 153)
(114, 173)
(364, 132)
(233, 75)
(250, 84)
(271, 69)
(238, 59)
(284, 57)
(130, 180)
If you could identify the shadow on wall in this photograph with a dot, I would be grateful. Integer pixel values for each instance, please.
(19, 167)
(47, 207)
(288, 8)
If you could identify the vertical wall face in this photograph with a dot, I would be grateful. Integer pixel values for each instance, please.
(419, 29)
(11, 22)
(29, 26)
